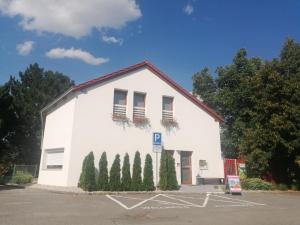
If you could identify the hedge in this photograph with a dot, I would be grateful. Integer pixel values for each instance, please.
(256, 184)
(21, 178)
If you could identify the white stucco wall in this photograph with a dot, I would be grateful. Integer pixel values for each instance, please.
(57, 135)
(94, 130)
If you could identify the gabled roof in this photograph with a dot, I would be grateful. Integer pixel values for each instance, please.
(157, 72)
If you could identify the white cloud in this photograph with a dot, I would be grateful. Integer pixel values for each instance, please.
(188, 9)
(25, 48)
(112, 40)
(72, 53)
(75, 18)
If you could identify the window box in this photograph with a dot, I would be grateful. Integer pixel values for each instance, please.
(120, 117)
(169, 123)
(140, 121)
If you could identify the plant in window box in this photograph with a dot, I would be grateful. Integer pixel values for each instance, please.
(120, 118)
(141, 121)
(169, 123)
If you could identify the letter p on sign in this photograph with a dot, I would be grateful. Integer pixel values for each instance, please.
(156, 138)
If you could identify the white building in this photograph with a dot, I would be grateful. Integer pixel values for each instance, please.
(119, 113)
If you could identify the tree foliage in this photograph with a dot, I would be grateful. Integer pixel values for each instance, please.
(115, 175)
(136, 183)
(260, 102)
(148, 183)
(126, 177)
(87, 180)
(21, 101)
(102, 182)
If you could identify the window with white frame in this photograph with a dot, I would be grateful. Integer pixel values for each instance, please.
(120, 103)
(167, 108)
(54, 158)
(139, 106)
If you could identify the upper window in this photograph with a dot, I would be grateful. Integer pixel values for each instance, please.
(167, 108)
(54, 159)
(120, 97)
(138, 106)
(120, 101)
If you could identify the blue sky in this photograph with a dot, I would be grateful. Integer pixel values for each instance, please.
(86, 40)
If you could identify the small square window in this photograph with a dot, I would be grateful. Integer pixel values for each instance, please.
(53, 158)
(203, 164)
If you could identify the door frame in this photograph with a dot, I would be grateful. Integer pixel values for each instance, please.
(189, 154)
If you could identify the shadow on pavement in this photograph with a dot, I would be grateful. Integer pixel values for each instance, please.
(10, 187)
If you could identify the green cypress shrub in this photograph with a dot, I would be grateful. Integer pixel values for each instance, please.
(115, 176)
(136, 183)
(148, 184)
(87, 180)
(172, 179)
(163, 171)
(102, 183)
(82, 174)
(126, 177)
(167, 172)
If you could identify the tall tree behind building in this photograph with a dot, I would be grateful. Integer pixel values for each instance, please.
(260, 102)
(21, 101)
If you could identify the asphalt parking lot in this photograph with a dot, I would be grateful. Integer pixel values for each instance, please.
(30, 207)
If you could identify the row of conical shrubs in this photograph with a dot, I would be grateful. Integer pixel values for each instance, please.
(92, 180)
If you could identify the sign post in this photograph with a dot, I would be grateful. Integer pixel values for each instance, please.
(157, 148)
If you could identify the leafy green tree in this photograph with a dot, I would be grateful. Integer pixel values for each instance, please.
(126, 177)
(87, 180)
(22, 99)
(102, 183)
(204, 86)
(8, 124)
(148, 184)
(115, 175)
(136, 183)
(260, 102)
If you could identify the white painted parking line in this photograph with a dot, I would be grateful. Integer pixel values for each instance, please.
(153, 200)
(134, 206)
(239, 200)
(189, 203)
(178, 202)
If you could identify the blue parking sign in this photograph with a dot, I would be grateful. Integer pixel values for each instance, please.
(156, 138)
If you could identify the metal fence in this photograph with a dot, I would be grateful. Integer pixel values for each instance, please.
(30, 169)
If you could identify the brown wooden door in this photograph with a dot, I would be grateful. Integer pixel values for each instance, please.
(186, 167)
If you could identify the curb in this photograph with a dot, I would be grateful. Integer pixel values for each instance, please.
(118, 192)
(270, 191)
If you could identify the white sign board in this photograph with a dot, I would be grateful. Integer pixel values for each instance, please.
(157, 148)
